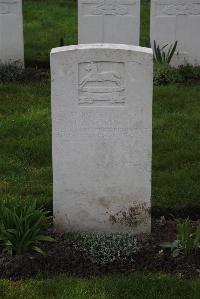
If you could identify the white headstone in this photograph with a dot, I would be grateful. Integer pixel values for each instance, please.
(109, 21)
(179, 20)
(11, 31)
(102, 137)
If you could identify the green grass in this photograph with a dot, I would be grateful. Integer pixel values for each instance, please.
(176, 144)
(25, 138)
(134, 286)
(145, 23)
(25, 156)
(26, 167)
(25, 161)
(46, 21)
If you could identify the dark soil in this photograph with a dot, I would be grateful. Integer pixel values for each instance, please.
(170, 214)
(36, 75)
(62, 258)
(30, 75)
(20, 75)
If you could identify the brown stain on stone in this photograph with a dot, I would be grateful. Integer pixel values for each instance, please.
(132, 216)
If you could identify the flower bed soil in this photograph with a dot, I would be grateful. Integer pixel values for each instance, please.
(62, 258)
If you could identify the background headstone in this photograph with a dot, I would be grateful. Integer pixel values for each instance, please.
(109, 21)
(11, 31)
(179, 20)
(102, 137)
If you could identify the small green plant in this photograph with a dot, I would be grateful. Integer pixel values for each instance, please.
(189, 73)
(162, 221)
(21, 226)
(187, 241)
(184, 236)
(106, 248)
(197, 237)
(166, 74)
(162, 57)
(11, 72)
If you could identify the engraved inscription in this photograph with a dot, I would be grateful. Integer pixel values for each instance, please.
(101, 83)
(179, 9)
(108, 7)
(4, 8)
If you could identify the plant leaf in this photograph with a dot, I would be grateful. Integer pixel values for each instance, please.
(44, 238)
(167, 245)
(172, 52)
(38, 250)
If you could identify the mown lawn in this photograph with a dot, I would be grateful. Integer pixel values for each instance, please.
(25, 138)
(26, 166)
(134, 286)
(46, 21)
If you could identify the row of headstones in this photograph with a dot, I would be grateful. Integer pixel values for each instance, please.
(115, 21)
(102, 119)
(119, 22)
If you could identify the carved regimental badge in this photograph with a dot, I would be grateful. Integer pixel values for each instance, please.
(4, 8)
(101, 83)
(179, 9)
(110, 7)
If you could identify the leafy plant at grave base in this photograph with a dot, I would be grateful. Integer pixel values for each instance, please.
(197, 238)
(105, 248)
(187, 242)
(21, 226)
(189, 73)
(166, 74)
(162, 57)
(162, 221)
(11, 72)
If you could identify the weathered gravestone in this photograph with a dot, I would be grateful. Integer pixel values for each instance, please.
(109, 21)
(102, 137)
(11, 31)
(179, 20)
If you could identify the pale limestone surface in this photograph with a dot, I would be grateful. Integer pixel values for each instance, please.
(11, 31)
(179, 20)
(102, 137)
(109, 21)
